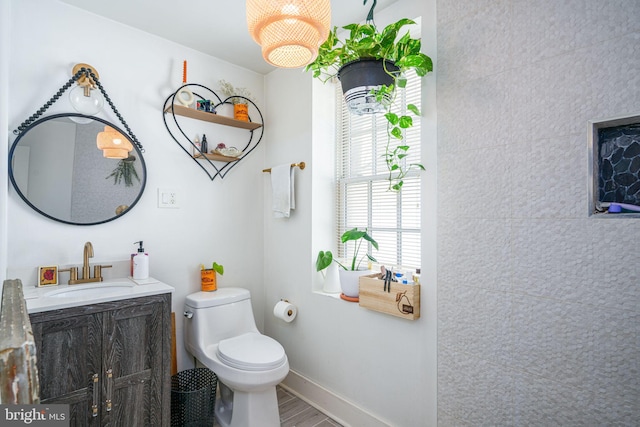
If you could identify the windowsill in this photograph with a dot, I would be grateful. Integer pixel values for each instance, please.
(615, 215)
(327, 294)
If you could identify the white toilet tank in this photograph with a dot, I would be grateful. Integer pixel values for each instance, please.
(213, 316)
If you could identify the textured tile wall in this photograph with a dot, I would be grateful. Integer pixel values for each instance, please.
(538, 303)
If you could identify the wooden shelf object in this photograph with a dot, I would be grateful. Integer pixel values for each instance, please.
(181, 110)
(400, 301)
(218, 157)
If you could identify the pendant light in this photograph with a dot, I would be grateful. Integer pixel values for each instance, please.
(84, 98)
(113, 144)
(289, 31)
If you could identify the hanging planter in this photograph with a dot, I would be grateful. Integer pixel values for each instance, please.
(386, 52)
(360, 79)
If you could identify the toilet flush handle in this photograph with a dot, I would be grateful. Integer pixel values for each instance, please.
(188, 314)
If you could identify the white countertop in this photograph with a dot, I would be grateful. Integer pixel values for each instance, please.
(64, 296)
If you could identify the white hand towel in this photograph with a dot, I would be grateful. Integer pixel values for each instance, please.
(282, 185)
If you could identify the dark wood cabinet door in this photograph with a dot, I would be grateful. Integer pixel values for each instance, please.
(113, 355)
(69, 353)
(133, 366)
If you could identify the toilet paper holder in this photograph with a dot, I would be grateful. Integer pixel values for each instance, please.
(285, 310)
(289, 312)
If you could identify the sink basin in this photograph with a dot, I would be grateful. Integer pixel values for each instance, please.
(41, 299)
(90, 289)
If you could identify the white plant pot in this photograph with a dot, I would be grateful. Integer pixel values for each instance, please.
(349, 281)
(332, 280)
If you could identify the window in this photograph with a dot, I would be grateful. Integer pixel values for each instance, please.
(363, 199)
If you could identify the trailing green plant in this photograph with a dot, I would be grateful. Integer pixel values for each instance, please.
(364, 41)
(125, 171)
(394, 155)
(358, 237)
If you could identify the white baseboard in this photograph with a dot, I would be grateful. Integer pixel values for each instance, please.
(336, 407)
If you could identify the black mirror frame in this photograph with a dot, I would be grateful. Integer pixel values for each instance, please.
(143, 181)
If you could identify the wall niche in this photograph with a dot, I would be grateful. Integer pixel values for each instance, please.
(614, 152)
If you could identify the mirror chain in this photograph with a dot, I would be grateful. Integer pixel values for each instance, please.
(54, 98)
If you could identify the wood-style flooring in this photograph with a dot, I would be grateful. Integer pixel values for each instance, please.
(295, 412)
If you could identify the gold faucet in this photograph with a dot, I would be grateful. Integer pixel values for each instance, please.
(88, 253)
(86, 272)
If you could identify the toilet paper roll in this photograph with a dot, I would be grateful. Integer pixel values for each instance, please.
(285, 311)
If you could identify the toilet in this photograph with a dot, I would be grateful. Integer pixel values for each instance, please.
(220, 332)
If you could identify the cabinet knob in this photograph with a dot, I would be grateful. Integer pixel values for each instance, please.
(188, 314)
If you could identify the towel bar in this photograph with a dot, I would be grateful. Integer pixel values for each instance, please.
(301, 165)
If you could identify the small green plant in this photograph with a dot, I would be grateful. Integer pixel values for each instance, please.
(125, 171)
(357, 236)
(218, 268)
(234, 93)
(364, 42)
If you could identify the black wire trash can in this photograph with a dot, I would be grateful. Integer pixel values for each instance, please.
(193, 398)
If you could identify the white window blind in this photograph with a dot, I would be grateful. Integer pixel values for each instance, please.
(363, 199)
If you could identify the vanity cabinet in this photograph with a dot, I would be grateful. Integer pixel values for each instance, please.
(110, 361)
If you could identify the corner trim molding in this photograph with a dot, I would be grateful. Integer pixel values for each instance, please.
(336, 407)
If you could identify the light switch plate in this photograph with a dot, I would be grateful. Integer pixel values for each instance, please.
(168, 198)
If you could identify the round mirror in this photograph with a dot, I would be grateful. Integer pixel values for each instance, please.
(56, 167)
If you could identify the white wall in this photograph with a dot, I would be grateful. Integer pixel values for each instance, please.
(5, 8)
(384, 365)
(217, 221)
(539, 304)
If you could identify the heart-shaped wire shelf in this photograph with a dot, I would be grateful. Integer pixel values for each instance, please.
(213, 165)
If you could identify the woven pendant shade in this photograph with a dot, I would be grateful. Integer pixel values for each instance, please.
(113, 144)
(289, 31)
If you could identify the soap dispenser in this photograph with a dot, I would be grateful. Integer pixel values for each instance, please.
(140, 264)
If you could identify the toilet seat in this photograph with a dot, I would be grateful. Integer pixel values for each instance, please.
(251, 352)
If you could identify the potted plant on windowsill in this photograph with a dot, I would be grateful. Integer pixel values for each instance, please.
(370, 65)
(350, 273)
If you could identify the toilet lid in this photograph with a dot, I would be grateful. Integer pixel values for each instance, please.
(251, 352)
